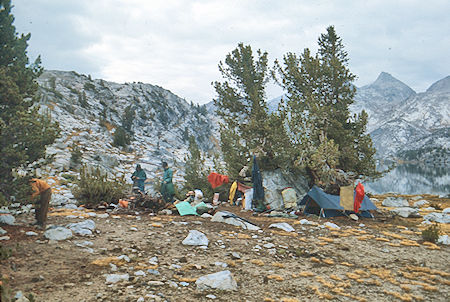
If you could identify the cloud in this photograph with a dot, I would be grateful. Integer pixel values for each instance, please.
(177, 44)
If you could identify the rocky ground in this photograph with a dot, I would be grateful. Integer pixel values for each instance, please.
(137, 256)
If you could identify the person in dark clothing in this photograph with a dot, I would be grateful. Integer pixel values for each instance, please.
(139, 178)
(167, 188)
(44, 191)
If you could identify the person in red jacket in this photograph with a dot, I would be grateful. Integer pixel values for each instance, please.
(44, 191)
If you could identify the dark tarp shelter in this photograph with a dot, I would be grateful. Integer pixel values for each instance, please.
(316, 201)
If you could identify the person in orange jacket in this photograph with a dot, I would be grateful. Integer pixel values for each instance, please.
(44, 191)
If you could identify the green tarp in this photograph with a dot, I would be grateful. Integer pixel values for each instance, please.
(185, 208)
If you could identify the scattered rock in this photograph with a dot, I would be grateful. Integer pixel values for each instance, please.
(58, 233)
(221, 280)
(2, 231)
(305, 221)
(230, 218)
(406, 212)
(7, 219)
(155, 283)
(283, 226)
(438, 217)
(235, 256)
(140, 273)
(395, 202)
(444, 239)
(141, 299)
(31, 233)
(114, 278)
(210, 296)
(206, 215)
(428, 209)
(165, 212)
(172, 284)
(332, 225)
(420, 203)
(104, 215)
(195, 238)
(182, 283)
(269, 245)
(221, 264)
(82, 228)
(124, 257)
(153, 272)
(446, 211)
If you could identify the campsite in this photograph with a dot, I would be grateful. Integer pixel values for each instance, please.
(138, 256)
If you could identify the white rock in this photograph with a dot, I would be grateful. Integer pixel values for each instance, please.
(420, 203)
(210, 296)
(70, 206)
(82, 228)
(206, 215)
(221, 280)
(172, 284)
(141, 299)
(114, 278)
(405, 212)
(124, 257)
(5, 238)
(58, 233)
(165, 212)
(196, 238)
(269, 245)
(140, 273)
(332, 225)
(395, 202)
(438, 217)
(305, 221)
(7, 219)
(428, 209)
(444, 239)
(133, 229)
(221, 264)
(30, 233)
(283, 226)
(104, 215)
(2, 231)
(153, 260)
(221, 216)
(446, 211)
(113, 267)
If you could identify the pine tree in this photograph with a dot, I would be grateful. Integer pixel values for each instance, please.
(320, 89)
(241, 104)
(194, 169)
(24, 132)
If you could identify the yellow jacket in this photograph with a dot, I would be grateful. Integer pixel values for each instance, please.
(38, 187)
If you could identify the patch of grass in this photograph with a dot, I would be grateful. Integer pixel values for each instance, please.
(431, 233)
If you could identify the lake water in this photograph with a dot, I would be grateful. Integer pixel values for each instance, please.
(413, 179)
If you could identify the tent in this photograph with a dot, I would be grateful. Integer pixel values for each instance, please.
(316, 201)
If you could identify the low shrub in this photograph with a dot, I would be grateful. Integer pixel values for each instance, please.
(94, 187)
(431, 233)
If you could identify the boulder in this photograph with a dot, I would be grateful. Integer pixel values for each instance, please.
(195, 238)
(405, 212)
(82, 228)
(221, 280)
(444, 239)
(420, 203)
(446, 211)
(275, 181)
(7, 219)
(283, 226)
(222, 216)
(58, 233)
(437, 217)
(395, 202)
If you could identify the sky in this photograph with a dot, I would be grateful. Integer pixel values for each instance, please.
(178, 44)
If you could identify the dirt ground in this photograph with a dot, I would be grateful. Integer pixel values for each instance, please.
(382, 260)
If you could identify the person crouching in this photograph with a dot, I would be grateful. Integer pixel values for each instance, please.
(44, 191)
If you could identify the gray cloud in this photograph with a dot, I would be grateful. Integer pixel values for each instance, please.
(178, 44)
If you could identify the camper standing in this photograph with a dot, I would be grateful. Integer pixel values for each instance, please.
(44, 191)
(167, 189)
(139, 178)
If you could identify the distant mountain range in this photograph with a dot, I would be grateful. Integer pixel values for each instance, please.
(404, 124)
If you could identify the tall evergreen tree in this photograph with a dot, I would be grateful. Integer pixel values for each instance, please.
(24, 133)
(320, 89)
(242, 106)
(195, 171)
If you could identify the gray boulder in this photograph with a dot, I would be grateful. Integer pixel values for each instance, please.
(420, 203)
(223, 216)
(82, 228)
(438, 217)
(405, 212)
(7, 219)
(395, 202)
(58, 233)
(195, 238)
(283, 226)
(221, 280)
(114, 278)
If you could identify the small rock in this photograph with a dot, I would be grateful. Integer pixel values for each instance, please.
(2, 231)
(438, 217)
(133, 229)
(140, 273)
(444, 239)
(206, 215)
(235, 255)
(361, 225)
(446, 211)
(155, 283)
(210, 296)
(196, 238)
(221, 280)
(269, 245)
(82, 228)
(153, 272)
(5, 238)
(165, 212)
(405, 212)
(172, 284)
(428, 209)
(395, 202)
(305, 221)
(113, 267)
(104, 215)
(141, 299)
(124, 257)
(31, 233)
(283, 226)
(420, 203)
(7, 219)
(114, 278)
(221, 264)
(175, 266)
(58, 233)
(182, 283)
(332, 225)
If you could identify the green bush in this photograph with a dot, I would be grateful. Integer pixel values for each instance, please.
(120, 137)
(94, 187)
(431, 233)
(75, 155)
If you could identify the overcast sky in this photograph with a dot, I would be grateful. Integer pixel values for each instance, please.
(178, 44)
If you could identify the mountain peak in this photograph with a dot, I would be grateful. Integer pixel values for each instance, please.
(442, 85)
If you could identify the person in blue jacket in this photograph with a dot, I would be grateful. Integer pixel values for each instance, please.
(167, 188)
(139, 178)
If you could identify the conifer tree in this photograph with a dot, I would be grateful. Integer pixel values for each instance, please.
(24, 132)
(195, 171)
(320, 89)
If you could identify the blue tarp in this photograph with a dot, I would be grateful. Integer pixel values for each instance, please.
(316, 198)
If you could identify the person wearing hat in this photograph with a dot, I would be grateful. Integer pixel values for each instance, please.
(44, 191)
(139, 178)
(167, 188)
